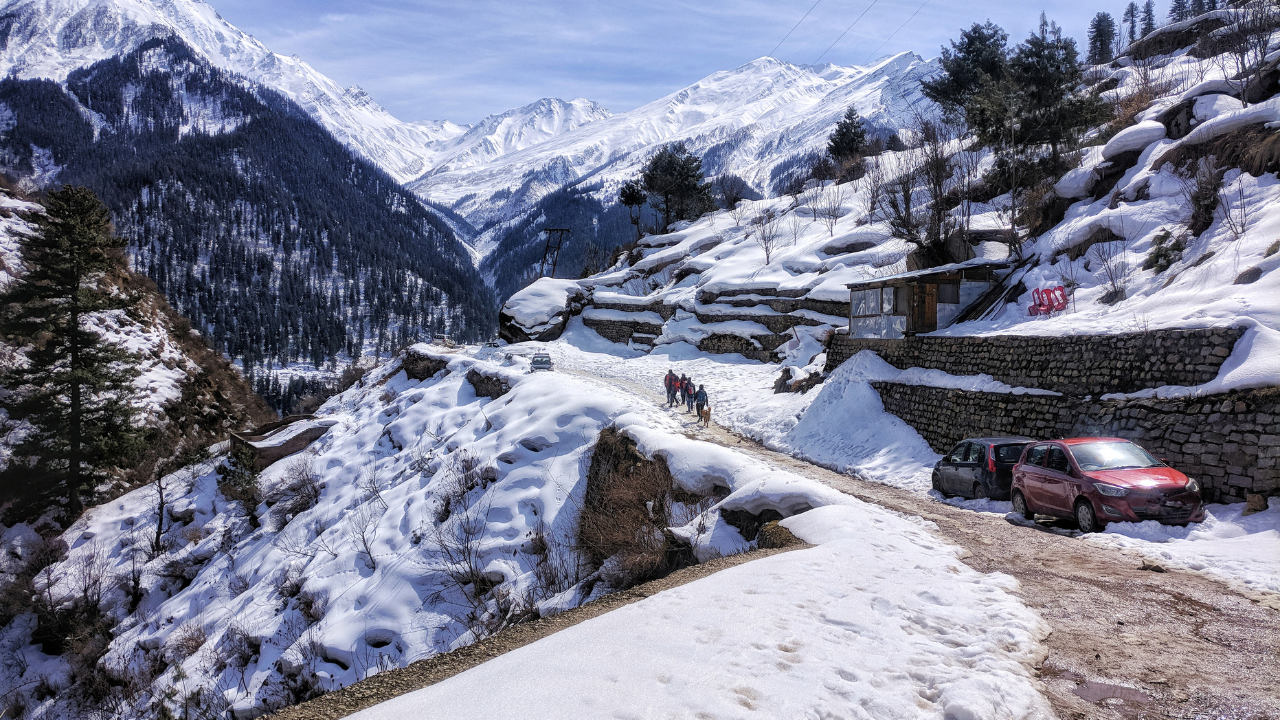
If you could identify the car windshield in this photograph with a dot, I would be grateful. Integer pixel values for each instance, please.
(1112, 456)
(1009, 453)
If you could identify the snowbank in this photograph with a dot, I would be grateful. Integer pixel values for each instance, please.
(1242, 550)
(535, 307)
(879, 620)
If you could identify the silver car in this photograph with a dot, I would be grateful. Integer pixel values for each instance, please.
(541, 361)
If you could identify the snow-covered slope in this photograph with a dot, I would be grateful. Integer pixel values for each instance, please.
(749, 121)
(515, 130)
(51, 38)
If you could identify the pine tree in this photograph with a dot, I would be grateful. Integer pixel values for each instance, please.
(75, 389)
(1102, 37)
(1178, 11)
(634, 198)
(1131, 18)
(847, 143)
(674, 182)
(971, 64)
(1148, 17)
(1196, 8)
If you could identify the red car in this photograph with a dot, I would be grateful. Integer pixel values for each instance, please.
(1101, 480)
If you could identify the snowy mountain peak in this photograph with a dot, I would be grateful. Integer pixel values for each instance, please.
(53, 38)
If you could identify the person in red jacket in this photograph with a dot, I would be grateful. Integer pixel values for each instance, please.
(673, 386)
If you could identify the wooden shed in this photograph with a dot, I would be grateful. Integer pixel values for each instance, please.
(920, 301)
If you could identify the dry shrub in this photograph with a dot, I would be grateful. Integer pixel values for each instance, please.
(558, 566)
(1201, 191)
(626, 511)
(1041, 208)
(237, 648)
(297, 492)
(186, 641)
(462, 474)
(313, 606)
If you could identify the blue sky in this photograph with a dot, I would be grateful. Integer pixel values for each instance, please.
(460, 61)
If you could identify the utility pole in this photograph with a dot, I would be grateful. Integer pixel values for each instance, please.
(556, 238)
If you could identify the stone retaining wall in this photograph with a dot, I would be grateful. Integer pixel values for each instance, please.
(1230, 442)
(728, 344)
(1072, 364)
(621, 331)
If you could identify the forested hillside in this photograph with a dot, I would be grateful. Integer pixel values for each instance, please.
(273, 238)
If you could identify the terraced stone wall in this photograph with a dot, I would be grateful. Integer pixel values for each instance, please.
(1230, 442)
(1078, 365)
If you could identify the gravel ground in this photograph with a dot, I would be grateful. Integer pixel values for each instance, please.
(1127, 642)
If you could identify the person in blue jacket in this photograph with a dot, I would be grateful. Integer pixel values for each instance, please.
(702, 403)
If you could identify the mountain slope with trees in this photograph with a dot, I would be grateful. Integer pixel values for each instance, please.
(277, 242)
(105, 384)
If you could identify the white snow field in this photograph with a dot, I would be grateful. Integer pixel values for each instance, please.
(842, 425)
(259, 606)
(878, 622)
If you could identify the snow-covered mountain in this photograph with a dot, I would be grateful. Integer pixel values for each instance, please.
(51, 38)
(515, 130)
(756, 121)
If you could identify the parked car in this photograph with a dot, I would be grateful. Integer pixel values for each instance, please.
(540, 361)
(979, 467)
(1101, 480)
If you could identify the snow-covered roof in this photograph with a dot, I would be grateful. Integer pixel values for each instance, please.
(974, 264)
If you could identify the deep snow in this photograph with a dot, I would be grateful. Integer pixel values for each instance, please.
(878, 621)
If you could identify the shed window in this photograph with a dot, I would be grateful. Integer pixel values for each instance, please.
(949, 293)
(902, 300)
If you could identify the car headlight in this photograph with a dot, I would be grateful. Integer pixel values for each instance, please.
(1110, 490)
(1192, 485)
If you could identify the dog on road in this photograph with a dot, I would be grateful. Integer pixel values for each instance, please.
(705, 416)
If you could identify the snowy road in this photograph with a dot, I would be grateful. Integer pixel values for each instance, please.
(1181, 639)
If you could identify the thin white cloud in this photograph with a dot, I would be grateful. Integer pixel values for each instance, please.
(432, 59)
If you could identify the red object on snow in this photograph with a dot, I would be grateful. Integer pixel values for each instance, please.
(1047, 302)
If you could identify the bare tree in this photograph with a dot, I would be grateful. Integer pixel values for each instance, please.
(767, 234)
(935, 172)
(1242, 47)
(368, 483)
(830, 206)
(739, 211)
(795, 225)
(873, 188)
(906, 208)
(1115, 268)
(362, 530)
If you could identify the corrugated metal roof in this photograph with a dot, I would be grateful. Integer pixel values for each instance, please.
(975, 264)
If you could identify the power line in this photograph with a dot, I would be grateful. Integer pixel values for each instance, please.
(846, 31)
(784, 37)
(872, 56)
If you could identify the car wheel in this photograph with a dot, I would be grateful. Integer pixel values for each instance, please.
(979, 492)
(1020, 506)
(937, 485)
(1086, 518)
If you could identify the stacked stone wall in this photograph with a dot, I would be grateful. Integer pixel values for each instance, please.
(1077, 365)
(621, 331)
(1230, 442)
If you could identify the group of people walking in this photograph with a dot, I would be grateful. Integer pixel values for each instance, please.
(681, 389)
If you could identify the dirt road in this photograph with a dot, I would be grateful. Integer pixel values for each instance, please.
(1126, 642)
